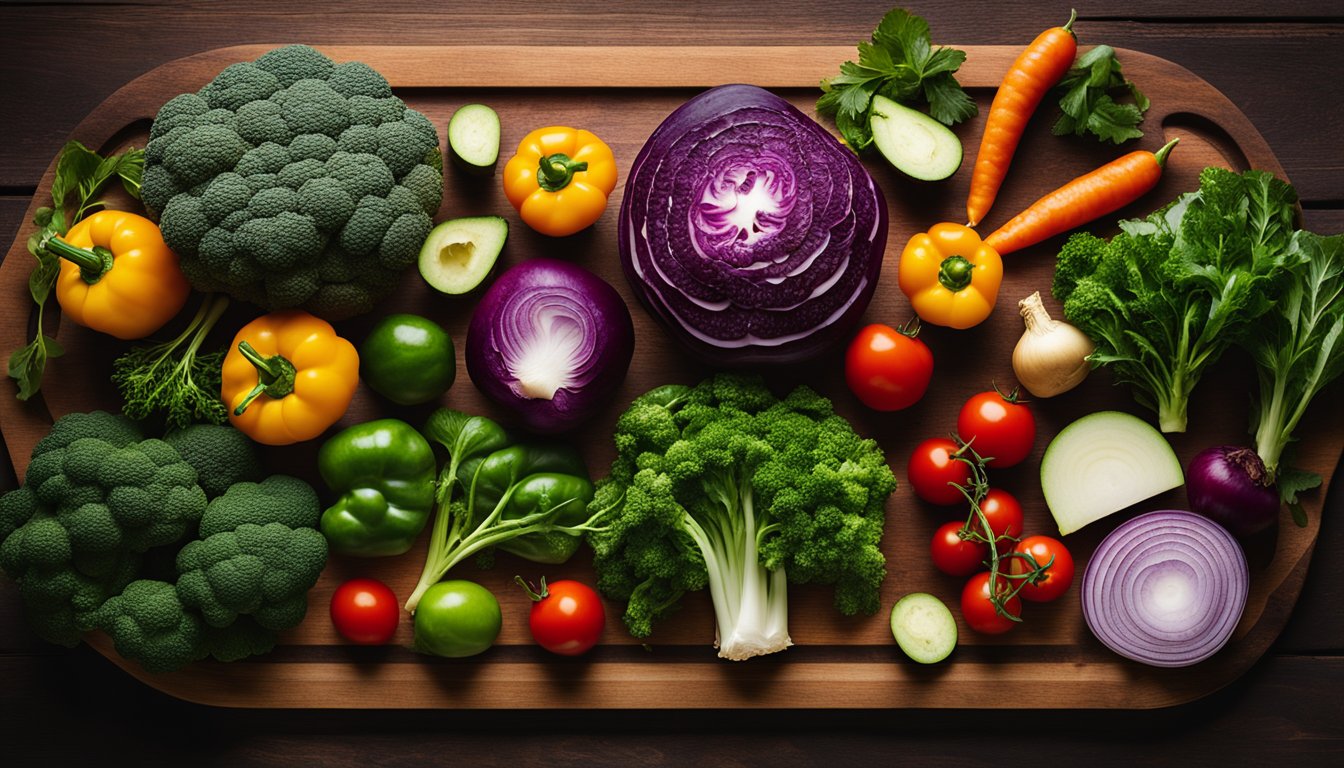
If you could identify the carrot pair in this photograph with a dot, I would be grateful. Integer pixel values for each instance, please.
(1083, 199)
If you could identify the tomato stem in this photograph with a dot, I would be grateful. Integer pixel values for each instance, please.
(536, 595)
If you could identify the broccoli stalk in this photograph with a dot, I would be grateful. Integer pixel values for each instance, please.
(174, 378)
(724, 486)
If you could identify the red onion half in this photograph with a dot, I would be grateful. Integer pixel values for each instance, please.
(1166, 588)
(551, 341)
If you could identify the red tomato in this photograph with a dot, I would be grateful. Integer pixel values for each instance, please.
(1004, 515)
(932, 466)
(567, 617)
(888, 369)
(1003, 431)
(365, 611)
(954, 555)
(979, 611)
(1057, 578)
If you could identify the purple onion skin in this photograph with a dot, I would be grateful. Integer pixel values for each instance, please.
(610, 333)
(1226, 484)
(823, 329)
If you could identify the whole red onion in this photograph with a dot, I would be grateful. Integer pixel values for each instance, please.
(1230, 485)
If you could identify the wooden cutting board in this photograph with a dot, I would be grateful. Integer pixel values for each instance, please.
(622, 93)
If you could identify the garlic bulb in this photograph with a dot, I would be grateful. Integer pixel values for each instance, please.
(1051, 356)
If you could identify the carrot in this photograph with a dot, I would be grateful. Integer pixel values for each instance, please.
(1086, 198)
(1035, 72)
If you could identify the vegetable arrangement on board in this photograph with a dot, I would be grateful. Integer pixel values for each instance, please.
(755, 238)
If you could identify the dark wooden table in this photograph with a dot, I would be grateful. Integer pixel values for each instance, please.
(1280, 61)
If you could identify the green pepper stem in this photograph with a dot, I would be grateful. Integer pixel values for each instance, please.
(275, 376)
(955, 273)
(93, 263)
(556, 171)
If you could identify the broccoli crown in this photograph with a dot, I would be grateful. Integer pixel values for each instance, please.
(148, 622)
(221, 455)
(699, 467)
(293, 181)
(264, 571)
(277, 499)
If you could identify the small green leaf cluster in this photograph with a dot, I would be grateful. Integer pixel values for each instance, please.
(1087, 103)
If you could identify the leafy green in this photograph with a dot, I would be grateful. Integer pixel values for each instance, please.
(1298, 350)
(174, 377)
(1165, 297)
(80, 174)
(901, 64)
(1087, 103)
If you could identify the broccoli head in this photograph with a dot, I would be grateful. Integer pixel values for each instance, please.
(293, 181)
(221, 455)
(723, 485)
(277, 499)
(264, 571)
(149, 624)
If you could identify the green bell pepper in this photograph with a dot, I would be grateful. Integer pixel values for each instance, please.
(385, 472)
(552, 477)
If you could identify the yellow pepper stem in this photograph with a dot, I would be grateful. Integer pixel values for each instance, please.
(955, 273)
(275, 376)
(556, 171)
(93, 264)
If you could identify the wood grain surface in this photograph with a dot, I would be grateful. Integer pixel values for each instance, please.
(1285, 708)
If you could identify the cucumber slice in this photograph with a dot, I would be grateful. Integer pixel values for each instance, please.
(1102, 463)
(459, 253)
(473, 137)
(915, 143)
(923, 627)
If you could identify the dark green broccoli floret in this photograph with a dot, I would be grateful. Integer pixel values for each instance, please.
(113, 428)
(241, 639)
(261, 571)
(279, 166)
(221, 455)
(722, 485)
(277, 499)
(148, 623)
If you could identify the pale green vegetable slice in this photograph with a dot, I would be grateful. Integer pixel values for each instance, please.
(915, 143)
(1103, 463)
(459, 254)
(923, 627)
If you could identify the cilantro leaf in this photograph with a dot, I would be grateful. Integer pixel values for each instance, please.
(902, 64)
(1087, 103)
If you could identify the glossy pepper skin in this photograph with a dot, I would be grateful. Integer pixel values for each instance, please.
(951, 277)
(559, 179)
(118, 276)
(288, 377)
(547, 476)
(384, 471)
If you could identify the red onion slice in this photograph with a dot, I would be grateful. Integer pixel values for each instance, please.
(1166, 588)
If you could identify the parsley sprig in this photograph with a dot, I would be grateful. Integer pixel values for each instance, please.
(1087, 102)
(901, 64)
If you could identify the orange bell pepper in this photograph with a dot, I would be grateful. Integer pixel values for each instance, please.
(951, 277)
(288, 377)
(117, 275)
(560, 179)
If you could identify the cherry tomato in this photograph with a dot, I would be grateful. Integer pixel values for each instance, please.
(1004, 515)
(979, 611)
(888, 369)
(1057, 578)
(932, 467)
(567, 616)
(1002, 430)
(954, 555)
(365, 611)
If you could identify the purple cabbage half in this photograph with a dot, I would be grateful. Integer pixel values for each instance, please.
(550, 341)
(750, 231)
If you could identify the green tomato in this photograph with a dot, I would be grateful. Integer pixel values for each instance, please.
(408, 359)
(456, 618)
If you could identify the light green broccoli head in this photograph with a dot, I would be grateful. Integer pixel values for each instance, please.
(148, 623)
(279, 166)
(263, 571)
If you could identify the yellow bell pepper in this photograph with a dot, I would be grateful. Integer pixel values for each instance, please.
(288, 377)
(951, 277)
(117, 275)
(560, 179)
